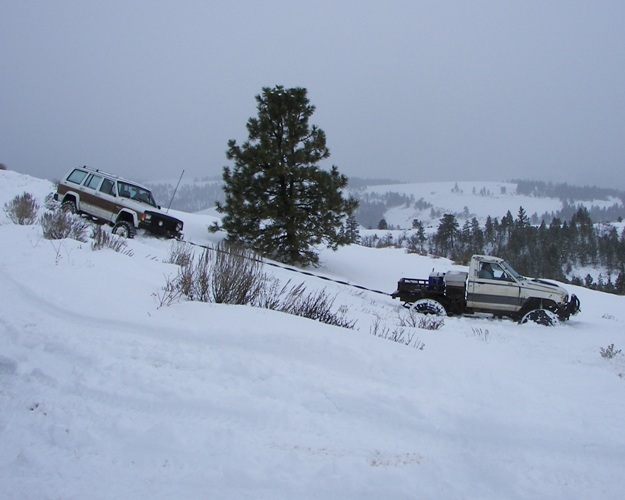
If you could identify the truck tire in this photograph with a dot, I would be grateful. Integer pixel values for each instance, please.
(428, 306)
(542, 317)
(124, 229)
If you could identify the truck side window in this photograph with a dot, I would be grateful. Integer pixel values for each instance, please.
(499, 273)
(486, 271)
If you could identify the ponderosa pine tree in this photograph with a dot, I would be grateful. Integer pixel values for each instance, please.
(278, 201)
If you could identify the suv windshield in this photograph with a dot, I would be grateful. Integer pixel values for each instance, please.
(137, 193)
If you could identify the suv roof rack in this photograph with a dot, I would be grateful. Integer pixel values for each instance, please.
(117, 177)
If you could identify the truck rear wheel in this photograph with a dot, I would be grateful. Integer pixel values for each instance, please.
(428, 306)
(540, 317)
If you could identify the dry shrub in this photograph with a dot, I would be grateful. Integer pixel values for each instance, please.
(231, 274)
(181, 254)
(428, 322)
(22, 209)
(58, 225)
(413, 319)
(238, 276)
(609, 352)
(104, 239)
(225, 275)
(296, 300)
(400, 335)
(317, 306)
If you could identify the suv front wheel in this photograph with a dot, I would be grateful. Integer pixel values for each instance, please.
(124, 229)
(69, 206)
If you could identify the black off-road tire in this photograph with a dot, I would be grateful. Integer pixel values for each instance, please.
(69, 207)
(124, 229)
(428, 306)
(542, 317)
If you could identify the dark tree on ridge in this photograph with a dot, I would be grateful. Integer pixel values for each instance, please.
(278, 201)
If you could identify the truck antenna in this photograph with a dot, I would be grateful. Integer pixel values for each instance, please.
(172, 196)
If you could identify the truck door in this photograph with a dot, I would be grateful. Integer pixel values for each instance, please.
(493, 290)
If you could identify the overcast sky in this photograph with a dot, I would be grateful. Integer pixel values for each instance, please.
(411, 90)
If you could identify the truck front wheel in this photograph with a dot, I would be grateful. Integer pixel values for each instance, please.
(428, 306)
(540, 317)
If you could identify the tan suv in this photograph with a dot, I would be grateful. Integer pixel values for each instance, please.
(125, 205)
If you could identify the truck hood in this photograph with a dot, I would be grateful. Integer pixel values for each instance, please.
(545, 288)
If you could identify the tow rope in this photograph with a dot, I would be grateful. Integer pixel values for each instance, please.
(294, 270)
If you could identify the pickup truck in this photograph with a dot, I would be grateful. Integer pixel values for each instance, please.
(491, 286)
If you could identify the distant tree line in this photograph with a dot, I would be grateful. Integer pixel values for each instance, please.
(372, 206)
(570, 196)
(565, 192)
(551, 250)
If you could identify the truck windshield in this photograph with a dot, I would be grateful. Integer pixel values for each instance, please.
(137, 193)
(511, 271)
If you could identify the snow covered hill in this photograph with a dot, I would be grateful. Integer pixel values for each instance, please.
(430, 200)
(400, 204)
(104, 394)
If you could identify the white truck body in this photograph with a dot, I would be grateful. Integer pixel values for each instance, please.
(490, 286)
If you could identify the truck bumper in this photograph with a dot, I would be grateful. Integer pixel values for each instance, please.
(569, 309)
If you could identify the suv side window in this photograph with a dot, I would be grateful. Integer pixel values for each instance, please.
(77, 176)
(93, 181)
(108, 187)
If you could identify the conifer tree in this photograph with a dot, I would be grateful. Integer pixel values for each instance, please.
(278, 201)
(447, 234)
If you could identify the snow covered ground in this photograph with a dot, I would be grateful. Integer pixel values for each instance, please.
(104, 394)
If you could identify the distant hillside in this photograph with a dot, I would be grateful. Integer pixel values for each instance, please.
(191, 196)
(401, 204)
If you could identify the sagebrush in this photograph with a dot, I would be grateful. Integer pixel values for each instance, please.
(22, 209)
(230, 274)
(609, 352)
(58, 224)
(180, 254)
(401, 335)
(102, 238)
(413, 319)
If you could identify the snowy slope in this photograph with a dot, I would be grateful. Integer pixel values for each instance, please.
(104, 394)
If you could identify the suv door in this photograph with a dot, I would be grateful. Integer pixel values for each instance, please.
(106, 198)
(88, 199)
